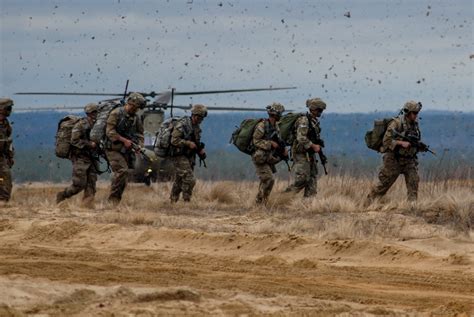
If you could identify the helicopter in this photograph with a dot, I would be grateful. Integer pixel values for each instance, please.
(148, 167)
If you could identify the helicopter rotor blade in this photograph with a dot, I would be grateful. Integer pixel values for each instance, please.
(228, 91)
(68, 93)
(155, 94)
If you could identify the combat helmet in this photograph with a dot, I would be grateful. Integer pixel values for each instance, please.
(6, 105)
(90, 108)
(315, 104)
(275, 108)
(136, 99)
(199, 110)
(412, 106)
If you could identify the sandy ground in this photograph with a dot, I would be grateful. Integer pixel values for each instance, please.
(222, 259)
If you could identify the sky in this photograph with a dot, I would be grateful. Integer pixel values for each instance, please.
(358, 56)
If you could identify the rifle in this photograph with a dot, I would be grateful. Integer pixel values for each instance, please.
(202, 157)
(322, 157)
(414, 141)
(280, 150)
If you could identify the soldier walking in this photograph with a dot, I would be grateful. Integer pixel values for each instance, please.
(124, 128)
(83, 151)
(186, 144)
(6, 149)
(400, 155)
(266, 140)
(307, 143)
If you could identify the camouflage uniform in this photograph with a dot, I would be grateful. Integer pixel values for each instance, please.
(306, 171)
(184, 159)
(263, 158)
(398, 160)
(121, 159)
(6, 152)
(84, 168)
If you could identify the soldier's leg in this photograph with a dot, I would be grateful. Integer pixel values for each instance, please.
(387, 176)
(265, 174)
(119, 166)
(90, 190)
(412, 179)
(178, 182)
(5, 181)
(302, 171)
(79, 180)
(312, 185)
(187, 177)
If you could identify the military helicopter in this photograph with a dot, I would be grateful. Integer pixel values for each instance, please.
(149, 167)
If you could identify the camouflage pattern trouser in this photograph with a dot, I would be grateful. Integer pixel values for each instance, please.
(306, 173)
(391, 169)
(118, 163)
(5, 180)
(84, 177)
(265, 174)
(184, 180)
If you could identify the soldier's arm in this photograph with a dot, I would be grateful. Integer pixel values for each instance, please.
(78, 139)
(389, 140)
(110, 129)
(177, 136)
(302, 129)
(140, 132)
(258, 137)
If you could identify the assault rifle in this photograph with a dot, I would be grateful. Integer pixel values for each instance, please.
(202, 157)
(322, 157)
(280, 150)
(414, 141)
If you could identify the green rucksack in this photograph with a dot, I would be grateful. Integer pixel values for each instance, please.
(242, 136)
(63, 135)
(374, 137)
(287, 127)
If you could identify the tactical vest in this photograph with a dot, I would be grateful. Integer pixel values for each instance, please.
(127, 125)
(314, 131)
(408, 130)
(270, 130)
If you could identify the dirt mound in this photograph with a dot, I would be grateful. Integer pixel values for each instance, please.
(270, 260)
(179, 294)
(457, 259)
(53, 231)
(305, 264)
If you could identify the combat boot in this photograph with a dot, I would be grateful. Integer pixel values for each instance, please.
(60, 197)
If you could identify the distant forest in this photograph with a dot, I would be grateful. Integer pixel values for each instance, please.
(450, 134)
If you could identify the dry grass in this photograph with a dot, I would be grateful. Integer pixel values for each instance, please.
(444, 208)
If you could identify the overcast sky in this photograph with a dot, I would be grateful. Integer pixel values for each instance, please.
(385, 53)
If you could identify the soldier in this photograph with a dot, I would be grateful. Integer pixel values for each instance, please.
(266, 140)
(186, 143)
(400, 156)
(124, 129)
(307, 143)
(83, 151)
(6, 150)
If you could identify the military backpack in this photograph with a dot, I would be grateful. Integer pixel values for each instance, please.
(287, 127)
(374, 137)
(242, 136)
(97, 134)
(162, 146)
(63, 135)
